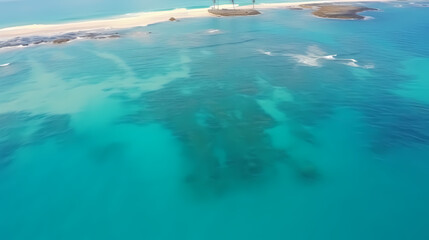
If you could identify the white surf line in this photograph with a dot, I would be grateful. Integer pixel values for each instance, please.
(137, 20)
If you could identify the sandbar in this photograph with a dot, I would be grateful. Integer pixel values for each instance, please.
(138, 20)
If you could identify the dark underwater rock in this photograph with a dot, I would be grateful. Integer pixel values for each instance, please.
(6, 151)
(308, 171)
(253, 167)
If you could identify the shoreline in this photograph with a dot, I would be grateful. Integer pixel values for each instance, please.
(141, 19)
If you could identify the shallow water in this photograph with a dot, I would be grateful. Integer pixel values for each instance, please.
(273, 127)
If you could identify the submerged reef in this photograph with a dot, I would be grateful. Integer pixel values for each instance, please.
(346, 12)
(224, 143)
(224, 135)
(22, 129)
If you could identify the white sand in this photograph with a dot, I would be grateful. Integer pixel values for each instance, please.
(136, 20)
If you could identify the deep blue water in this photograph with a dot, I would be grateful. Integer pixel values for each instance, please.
(278, 126)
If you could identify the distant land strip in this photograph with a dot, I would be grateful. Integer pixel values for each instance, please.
(141, 19)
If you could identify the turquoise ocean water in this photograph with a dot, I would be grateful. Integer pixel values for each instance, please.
(278, 126)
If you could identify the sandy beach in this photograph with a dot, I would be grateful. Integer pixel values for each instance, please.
(138, 19)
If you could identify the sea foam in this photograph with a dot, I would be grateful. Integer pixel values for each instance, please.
(213, 31)
(315, 56)
(265, 52)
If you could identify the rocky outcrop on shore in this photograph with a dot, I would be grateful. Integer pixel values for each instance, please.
(233, 12)
(59, 39)
(347, 12)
